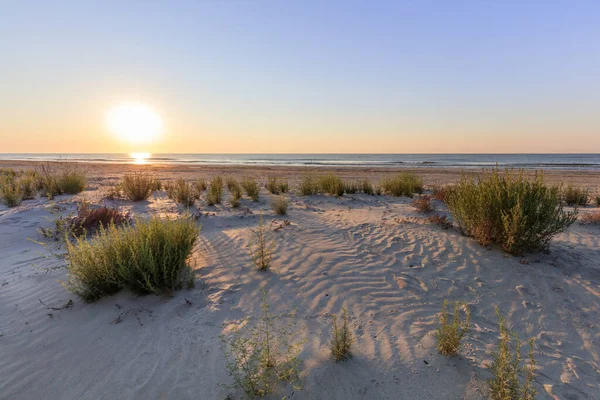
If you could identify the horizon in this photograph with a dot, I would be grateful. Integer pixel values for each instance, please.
(291, 78)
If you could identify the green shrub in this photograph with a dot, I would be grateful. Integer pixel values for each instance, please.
(506, 368)
(367, 187)
(200, 185)
(422, 204)
(405, 184)
(262, 245)
(148, 257)
(272, 185)
(60, 178)
(449, 334)
(517, 213)
(279, 204)
(575, 196)
(331, 184)
(308, 185)
(259, 357)
(341, 338)
(236, 194)
(351, 187)
(251, 187)
(215, 192)
(182, 192)
(137, 187)
(284, 186)
(441, 192)
(11, 192)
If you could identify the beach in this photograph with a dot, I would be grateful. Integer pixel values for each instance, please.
(374, 255)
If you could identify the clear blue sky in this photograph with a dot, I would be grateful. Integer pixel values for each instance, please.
(304, 76)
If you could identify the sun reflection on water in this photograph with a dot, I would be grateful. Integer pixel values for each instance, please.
(140, 158)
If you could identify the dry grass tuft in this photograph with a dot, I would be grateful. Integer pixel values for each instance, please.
(575, 196)
(137, 187)
(60, 178)
(215, 192)
(423, 204)
(11, 192)
(279, 204)
(182, 192)
(308, 185)
(405, 184)
(341, 338)
(262, 245)
(251, 187)
(331, 184)
(449, 334)
(440, 220)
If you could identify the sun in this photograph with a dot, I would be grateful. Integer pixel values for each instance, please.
(135, 123)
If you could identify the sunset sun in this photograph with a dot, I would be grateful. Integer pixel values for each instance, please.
(135, 123)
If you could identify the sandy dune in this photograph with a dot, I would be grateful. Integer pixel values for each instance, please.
(374, 255)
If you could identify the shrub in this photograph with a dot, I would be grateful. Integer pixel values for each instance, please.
(331, 184)
(367, 187)
(279, 204)
(441, 192)
(351, 187)
(251, 187)
(590, 218)
(519, 214)
(308, 185)
(60, 178)
(506, 368)
(148, 257)
(236, 195)
(341, 338)
(112, 192)
(259, 357)
(272, 185)
(284, 187)
(200, 185)
(215, 192)
(11, 192)
(137, 187)
(262, 245)
(28, 184)
(182, 192)
(157, 185)
(440, 220)
(449, 334)
(422, 204)
(575, 196)
(405, 184)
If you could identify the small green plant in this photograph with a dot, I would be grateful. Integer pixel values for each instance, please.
(450, 334)
(259, 357)
(251, 187)
(441, 192)
(341, 338)
(520, 214)
(279, 204)
(11, 193)
(236, 195)
(262, 245)
(405, 184)
(150, 256)
(507, 370)
(308, 185)
(423, 204)
(284, 187)
(137, 187)
(182, 192)
(272, 185)
(331, 184)
(60, 178)
(200, 185)
(215, 191)
(351, 187)
(367, 187)
(575, 196)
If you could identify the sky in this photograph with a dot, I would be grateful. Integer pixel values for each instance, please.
(290, 76)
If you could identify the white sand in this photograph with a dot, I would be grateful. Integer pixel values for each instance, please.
(372, 255)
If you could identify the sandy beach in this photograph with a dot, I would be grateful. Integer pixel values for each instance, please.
(375, 255)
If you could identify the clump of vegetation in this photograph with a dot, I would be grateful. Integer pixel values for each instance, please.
(591, 218)
(251, 187)
(262, 245)
(441, 192)
(137, 187)
(518, 213)
(279, 204)
(260, 357)
(423, 204)
(215, 191)
(200, 185)
(276, 186)
(351, 187)
(308, 185)
(54, 179)
(331, 184)
(113, 191)
(11, 192)
(236, 194)
(575, 196)
(405, 184)
(182, 192)
(440, 220)
(341, 338)
(450, 334)
(507, 370)
(150, 256)
(367, 187)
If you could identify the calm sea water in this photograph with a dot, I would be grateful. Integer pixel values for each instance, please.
(531, 161)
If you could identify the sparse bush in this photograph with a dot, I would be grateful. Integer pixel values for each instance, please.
(236, 195)
(449, 334)
(251, 187)
(259, 357)
(422, 204)
(272, 185)
(11, 192)
(405, 184)
(441, 192)
(351, 187)
(519, 214)
(148, 257)
(506, 368)
(590, 218)
(215, 192)
(200, 185)
(182, 192)
(279, 204)
(157, 185)
(284, 187)
(440, 220)
(113, 191)
(331, 184)
(262, 245)
(137, 187)
(60, 178)
(28, 183)
(575, 196)
(308, 185)
(367, 187)
(341, 338)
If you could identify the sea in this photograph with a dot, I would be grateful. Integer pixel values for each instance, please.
(460, 161)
